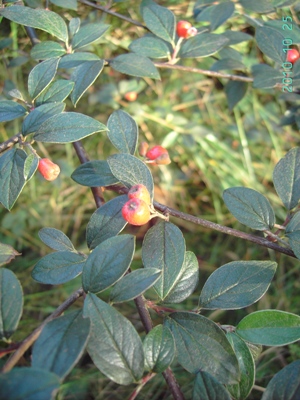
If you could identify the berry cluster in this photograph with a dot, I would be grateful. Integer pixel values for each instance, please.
(137, 209)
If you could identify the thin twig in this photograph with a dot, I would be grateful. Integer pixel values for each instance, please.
(12, 361)
(10, 142)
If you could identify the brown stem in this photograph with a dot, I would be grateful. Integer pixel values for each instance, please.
(173, 385)
(10, 142)
(12, 361)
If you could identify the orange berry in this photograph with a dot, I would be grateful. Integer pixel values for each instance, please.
(158, 155)
(185, 29)
(139, 192)
(136, 212)
(131, 96)
(292, 56)
(143, 148)
(48, 169)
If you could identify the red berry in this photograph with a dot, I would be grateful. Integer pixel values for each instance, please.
(131, 96)
(158, 155)
(185, 29)
(48, 169)
(292, 56)
(136, 212)
(139, 192)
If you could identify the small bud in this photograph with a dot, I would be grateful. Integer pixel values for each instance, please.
(48, 169)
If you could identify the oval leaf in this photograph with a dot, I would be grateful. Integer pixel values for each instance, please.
(122, 131)
(159, 349)
(270, 328)
(61, 343)
(84, 76)
(270, 43)
(164, 248)
(237, 284)
(206, 387)
(56, 239)
(88, 34)
(106, 222)
(202, 345)
(118, 350)
(30, 166)
(202, 45)
(59, 267)
(39, 115)
(135, 65)
(47, 49)
(10, 110)
(285, 385)
(134, 284)
(11, 304)
(250, 208)
(131, 171)
(286, 177)
(57, 92)
(242, 389)
(45, 20)
(93, 174)
(108, 263)
(76, 59)
(151, 46)
(67, 127)
(187, 280)
(41, 76)
(28, 383)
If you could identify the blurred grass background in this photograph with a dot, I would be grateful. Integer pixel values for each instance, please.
(211, 149)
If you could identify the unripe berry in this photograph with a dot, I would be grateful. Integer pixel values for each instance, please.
(131, 96)
(292, 56)
(185, 29)
(136, 212)
(139, 192)
(48, 169)
(158, 155)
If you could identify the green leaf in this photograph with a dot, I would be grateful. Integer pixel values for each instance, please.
(228, 63)
(57, 92)
(74, 26)
(30, 166)
(67, 127)
(242, 389)
(265, 77)
(293, 233)
(10, 110)
(258, 6)
(41, 76)
(237, 284)
(250, 207)
(159, 349)
(270, 328)
(76, 59)
(28, 384)
(107, 263)
(202, 345)
(206, 387)
(187, 280)
(39, 115)
(88, 34)
(57, 268)
(45, 20)
(93, 174)
(12, 178)
(293, 34)
(134, 284)
(131, 171)
(56, 239)
(286, 178)
(84, 76)
(11, 304)
(47, 49)
(118, 350)
(61, 343)
(106, 222)
(159, 20)
(270, 43)
(164, 248)
(285, 385)
(7, 254)
(202, 45)
(70, 4)
(151, 46)
(216, 15)
(236, 37)
(235, 91)
(122, 131)
(135, 65)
